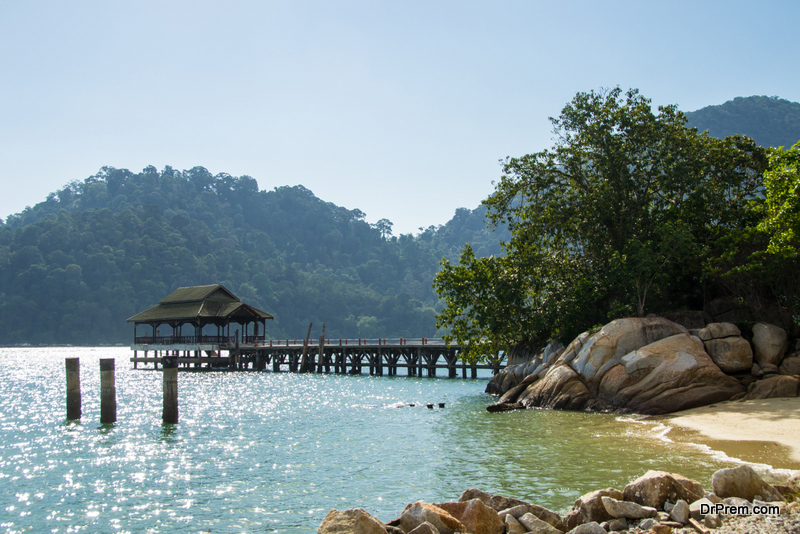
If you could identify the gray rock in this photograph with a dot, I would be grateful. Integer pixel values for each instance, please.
(589, 508)
(513, 526)
(680, 512)
(617, 524)
(770, 343)
(648, 523)
(718, 330)
(742, 482)
(696, 507)
(731, 354)
(712, 521)
(738, 502)
(668, 506)
(702, 333)
(537, 526)
(627, 509)
(588, 528)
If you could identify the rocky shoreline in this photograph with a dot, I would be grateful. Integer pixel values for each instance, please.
(656, 503)
(651, 366)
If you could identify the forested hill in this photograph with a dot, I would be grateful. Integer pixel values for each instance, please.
(74, 267)
(770, 121)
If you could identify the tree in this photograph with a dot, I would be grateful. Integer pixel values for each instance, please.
(614, 220)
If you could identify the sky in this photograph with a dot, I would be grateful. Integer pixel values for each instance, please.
(402, 109)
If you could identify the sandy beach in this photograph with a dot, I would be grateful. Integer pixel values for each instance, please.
(764, 431)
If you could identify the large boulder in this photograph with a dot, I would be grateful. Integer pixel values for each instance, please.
(560, 389)
(589, 508)
(477, 517)
(353, 521)
(415, 514)
(731, 354)
(770, 342)
(776, 386)
(672, 374)
(790, 365)
(654, 488)
(742, 482)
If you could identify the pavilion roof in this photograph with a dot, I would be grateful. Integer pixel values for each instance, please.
(204, 304)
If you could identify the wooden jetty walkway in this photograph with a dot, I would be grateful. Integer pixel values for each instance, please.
(380, 357)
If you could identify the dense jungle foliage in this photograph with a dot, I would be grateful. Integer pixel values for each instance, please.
(74, 267)
(629, 213)
(770, 121)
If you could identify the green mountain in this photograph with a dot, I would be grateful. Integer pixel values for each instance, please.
(74, 267)
(770, 121)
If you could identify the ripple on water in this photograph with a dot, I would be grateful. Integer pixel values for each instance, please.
(263, 451)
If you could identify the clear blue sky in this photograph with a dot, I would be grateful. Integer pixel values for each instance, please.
(400, 109)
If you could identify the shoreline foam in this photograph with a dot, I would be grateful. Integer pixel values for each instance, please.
(765, 431)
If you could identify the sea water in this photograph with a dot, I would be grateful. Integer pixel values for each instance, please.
(274, 452)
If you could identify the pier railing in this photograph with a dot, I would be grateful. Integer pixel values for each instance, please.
(288, 342)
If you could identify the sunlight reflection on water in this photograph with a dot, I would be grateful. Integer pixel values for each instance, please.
(257, 452)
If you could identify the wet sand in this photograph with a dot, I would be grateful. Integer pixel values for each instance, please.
(757, 431)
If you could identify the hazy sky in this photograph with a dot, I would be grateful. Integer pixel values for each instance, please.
(400, 109)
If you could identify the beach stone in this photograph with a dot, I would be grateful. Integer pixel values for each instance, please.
(477, 517)
(425, 528)
(680, 512)
(731, 354)
(627, 509)
(770, 343)
(696, 506)
(589, 508)
(790, 366)
(660, 529)
(352, 521)
(712, 497)
(647, 524)
(534, 524)
(513, 526)
(654, 488)
(719, 330)
(538, 511)
(615, 525)
(773, 387)
(593, 527)
(415, 514)
(738, 502)
(712, 521)
(742, 482)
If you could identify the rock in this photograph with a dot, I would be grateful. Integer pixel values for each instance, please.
(695, 509)
(516, 507)
(352, 521)
(477, 517)
(589, 508)
(790, 366)
(712, 521)
(680, 512)
(560, 389)
(720, 330)
(425, 528)
(731, 354)
(513, 526)
(654, 488)
(537, 511)
(776, 386)
(504, 407)
(588, 528)
(712, 497)
(627, 509)
(617, 524)
(660, 529)
(674, 373)
(393, 530)
(511, 395)
(742, 482)
(769, 369)
(743, 505)
(415, 514)
(536, 525)
(647, 524)
(770, 343)
(662, 516)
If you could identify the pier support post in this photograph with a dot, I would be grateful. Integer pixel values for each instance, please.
(108, 392)
(73, 388)
(170, 412)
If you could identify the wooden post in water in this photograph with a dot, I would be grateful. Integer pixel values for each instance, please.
(170, 412)
(108, 392)
(321, 349)
(304, 360)
(73, 388)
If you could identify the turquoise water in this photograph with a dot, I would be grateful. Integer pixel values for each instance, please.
(264, 452)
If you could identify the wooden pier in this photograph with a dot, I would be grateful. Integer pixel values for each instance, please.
(379, 357)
